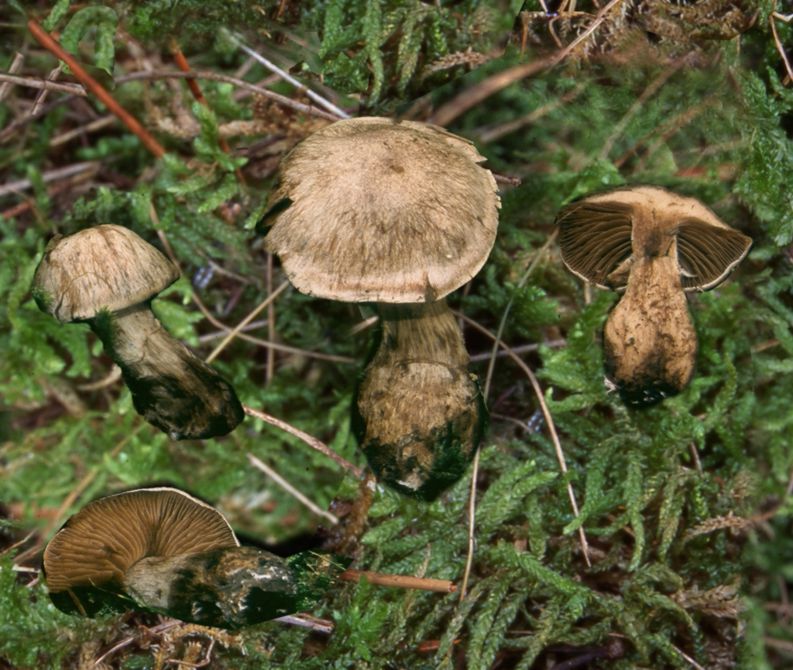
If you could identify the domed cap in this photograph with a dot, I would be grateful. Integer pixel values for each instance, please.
(103, 540)
(374, 210)
(601, 235)
(104, 267)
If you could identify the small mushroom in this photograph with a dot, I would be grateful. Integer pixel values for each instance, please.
(88, 561)
(654, 245)
(162, 550)
(107, 276)
(398, 214)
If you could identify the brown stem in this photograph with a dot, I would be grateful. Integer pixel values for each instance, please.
(172, 388)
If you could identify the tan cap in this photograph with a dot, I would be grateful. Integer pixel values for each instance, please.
(104, 267)
(601, 235)
(383, 211)
(103, 540)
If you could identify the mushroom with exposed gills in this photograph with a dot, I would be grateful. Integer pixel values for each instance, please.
(654, 246)
(398, 214)
(166, 551)
(108, 276)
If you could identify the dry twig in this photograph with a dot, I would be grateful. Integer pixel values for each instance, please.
(278, 479)
(311, 441)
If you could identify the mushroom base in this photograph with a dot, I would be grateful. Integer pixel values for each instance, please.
(650, 344)
(171, 388)
(228, 588)
(421, 423)
(420, 415)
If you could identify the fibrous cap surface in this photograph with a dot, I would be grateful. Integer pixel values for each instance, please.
(383, 211)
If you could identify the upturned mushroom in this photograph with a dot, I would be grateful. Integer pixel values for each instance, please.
(654, 246)
(108, 276)
(398, 214)
(166, 551)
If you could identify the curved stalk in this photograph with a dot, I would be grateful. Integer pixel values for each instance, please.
(172, 388)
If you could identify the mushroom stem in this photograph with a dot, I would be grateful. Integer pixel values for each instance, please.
(423, 332)
(421, 413)
(171, 387)
(650, 341)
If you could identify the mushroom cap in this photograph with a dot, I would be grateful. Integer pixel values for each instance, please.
(602, 234)
(376, 210)
(104, 267)
(108, 536)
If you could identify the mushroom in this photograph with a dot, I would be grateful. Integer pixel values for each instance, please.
(170, 553)
(398, 214)
(107, 276)
(655, 246)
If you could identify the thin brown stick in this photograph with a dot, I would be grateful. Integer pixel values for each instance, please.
(493, 133)
(310, 440)
(195, 89)
(469, 560)
(49, 176)
(16, 66)
(484, 89)
(42, 84)
(275, 346)
(251, 316)
(239, 83)
(97, 124)
(400, 581)
(550, 423)
(96, 88)
(289, 488)
(270, 369)
(778, 44)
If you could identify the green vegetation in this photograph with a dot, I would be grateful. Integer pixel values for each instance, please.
(685, 505)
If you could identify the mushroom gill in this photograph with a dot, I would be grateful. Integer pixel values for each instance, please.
(653, 245)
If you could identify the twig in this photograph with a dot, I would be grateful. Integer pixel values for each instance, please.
(275, 346)
(97, 124)
(16, 66)
(651, 89)
(278, 479)
(550, 423)
(42, 84)
(502, 324)
(195, 89)
(240, 83)
(778, 43)
(270, 369)
(49, 176)
(316, 97)
(108, 380)
(400, 581)
(306, 621)
(469, 560)
(160, 628)
(310, 440)
(522, 349)
(484, 89)
(493, 133)
(41, 97)
(236, 330)
(96, 88)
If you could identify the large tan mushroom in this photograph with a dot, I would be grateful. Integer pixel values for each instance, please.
(107, 276)
(654, 245)
(398, 214)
